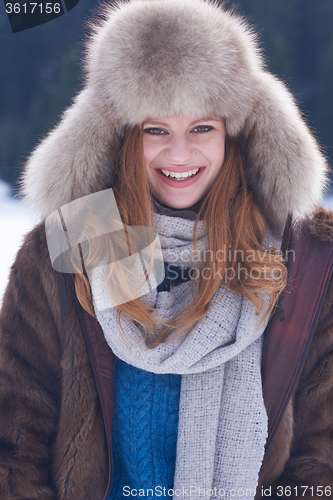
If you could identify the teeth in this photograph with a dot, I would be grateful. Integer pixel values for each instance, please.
(180, 175)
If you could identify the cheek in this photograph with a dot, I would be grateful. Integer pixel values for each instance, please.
(149, 155)
(151, 150)
(221, 158)
(149, 174)
(217, 159)
(146, 154)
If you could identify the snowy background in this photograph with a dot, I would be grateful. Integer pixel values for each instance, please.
(16, 220)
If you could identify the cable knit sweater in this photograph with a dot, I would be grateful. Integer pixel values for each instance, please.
(145, 429)
(146, 408)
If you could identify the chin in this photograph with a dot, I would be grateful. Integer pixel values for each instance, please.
(179, 204)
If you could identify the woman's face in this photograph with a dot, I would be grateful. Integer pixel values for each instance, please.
(183, 156)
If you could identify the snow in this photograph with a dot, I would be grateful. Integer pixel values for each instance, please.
(16, 220)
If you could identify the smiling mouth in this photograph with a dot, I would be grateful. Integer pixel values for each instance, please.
(180, 176)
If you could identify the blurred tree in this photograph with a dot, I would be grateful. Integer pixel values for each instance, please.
(297, 38)
(40, 75)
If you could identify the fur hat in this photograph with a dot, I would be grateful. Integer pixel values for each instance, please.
(152, 58)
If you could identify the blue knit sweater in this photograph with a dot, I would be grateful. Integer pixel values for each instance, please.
(145, 428)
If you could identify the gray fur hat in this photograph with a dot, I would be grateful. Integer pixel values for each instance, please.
(153, 58)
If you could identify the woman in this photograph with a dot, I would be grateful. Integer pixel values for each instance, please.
(173, 89)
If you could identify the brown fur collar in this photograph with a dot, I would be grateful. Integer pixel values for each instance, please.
(321, 224)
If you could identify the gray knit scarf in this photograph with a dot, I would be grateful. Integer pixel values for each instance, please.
(222, 418)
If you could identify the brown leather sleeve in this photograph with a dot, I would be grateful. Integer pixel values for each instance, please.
(309, 469)
(29, 377)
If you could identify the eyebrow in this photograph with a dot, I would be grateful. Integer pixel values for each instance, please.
(204, 119)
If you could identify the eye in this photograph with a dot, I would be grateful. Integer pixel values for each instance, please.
(201, 129)
(154, 131)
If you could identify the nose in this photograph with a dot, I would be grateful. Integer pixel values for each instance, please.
(179, 150)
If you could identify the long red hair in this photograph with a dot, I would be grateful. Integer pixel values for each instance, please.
(233, 223)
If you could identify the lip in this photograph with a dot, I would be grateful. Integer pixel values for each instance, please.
(181, 169)
(180, 184)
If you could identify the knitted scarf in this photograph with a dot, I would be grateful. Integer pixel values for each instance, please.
(222, 418)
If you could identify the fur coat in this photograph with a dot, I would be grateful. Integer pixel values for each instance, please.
(52, 435)
(146, 59)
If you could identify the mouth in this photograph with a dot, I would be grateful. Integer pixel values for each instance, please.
(180, 179)
(180, 176)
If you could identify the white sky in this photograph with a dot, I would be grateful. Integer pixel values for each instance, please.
(16, 221)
